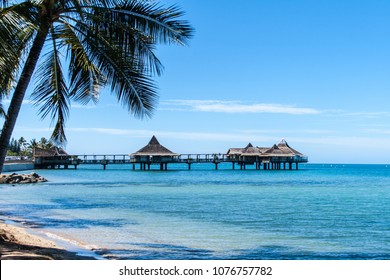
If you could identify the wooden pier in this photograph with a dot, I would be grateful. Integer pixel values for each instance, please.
(277, 157)
(73, 161)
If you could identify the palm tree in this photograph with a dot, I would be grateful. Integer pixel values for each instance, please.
(32, 144)
(102, 42)
(22, 143)
(45, 143)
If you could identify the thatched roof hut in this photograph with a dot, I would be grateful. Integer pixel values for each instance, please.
(250, 151)
(154, 148)
(51, 152)
(234, 152)
(282, 150)
(285, 147)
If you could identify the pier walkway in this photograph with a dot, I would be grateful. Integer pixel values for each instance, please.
(145, 163)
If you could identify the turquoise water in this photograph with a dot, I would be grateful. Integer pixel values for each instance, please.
(317, 212)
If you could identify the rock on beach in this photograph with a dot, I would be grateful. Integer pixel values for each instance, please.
(15, 178)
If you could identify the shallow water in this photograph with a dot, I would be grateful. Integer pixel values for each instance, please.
(317, 212)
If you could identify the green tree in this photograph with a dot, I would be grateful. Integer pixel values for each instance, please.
(22, 143)
(14, 147)
(32, 144)
(45, 143)
(102, 42)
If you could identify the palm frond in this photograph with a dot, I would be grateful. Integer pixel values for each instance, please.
(108, 42)
(51, 93)
(135, 90)
(136, 26)
(13, 57)
(162, 24)
(17, 29)
(24, 13)
(84, 76)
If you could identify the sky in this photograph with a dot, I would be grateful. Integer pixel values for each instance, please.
(315, 73)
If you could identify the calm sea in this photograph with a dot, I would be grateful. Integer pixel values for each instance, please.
(318, 212)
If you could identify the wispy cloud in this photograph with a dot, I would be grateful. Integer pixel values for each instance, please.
(207, 136)
(232, 107)
(24, 102)
(112, 131)
(289, 131)
(377, 131)
(79, 106)
(31, 102)
(368, 114)
(244, 136)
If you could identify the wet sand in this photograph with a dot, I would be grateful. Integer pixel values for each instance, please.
(17, 244)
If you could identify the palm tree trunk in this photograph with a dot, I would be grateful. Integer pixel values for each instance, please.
(20, 90)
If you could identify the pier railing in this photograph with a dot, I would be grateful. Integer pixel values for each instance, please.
(75, 160)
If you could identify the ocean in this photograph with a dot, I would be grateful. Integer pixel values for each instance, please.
(321, 211)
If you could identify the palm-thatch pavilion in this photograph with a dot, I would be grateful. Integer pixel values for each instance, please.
(282, 153)
(52, 157)
(154, 153)
(244, 156)
(271, 157)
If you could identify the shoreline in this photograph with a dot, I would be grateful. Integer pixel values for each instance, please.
(18, 242)
(17, 166)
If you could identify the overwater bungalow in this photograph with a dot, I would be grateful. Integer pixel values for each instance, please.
(154, 153)
(282, 153)
(246, 156)
(248, 151)
(271, 158)
(52, 158)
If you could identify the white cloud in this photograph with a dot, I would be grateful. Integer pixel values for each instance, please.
(112, 131)
(31, 102)
(201, 136)
(374, 131)
(220, 106)
(368, 114)
(80, 106)
(30, 129)
(24, 102)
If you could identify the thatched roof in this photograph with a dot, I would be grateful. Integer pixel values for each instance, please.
(284, 146)
(262, 149)
(249, 150)
(282, 149)
(154, 148)
(235, 151)
(54, 151)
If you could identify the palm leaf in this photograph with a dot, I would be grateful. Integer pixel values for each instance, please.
(121, 37)
(51, 93)
(160, 23)
(135, 90)
(85, 78)
(137, 26)
(107, 42)
(15, 34)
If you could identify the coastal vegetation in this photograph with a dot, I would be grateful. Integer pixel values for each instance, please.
(23, 148)
(76, 47)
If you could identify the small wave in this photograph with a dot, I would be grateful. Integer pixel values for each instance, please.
(75, 246)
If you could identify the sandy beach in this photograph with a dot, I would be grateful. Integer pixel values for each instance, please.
(17, 244)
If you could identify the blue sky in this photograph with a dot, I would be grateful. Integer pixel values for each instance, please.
(316, 73)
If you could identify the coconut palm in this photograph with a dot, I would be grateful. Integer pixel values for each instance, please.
(100, 42)
(22, 143)
(45, 143)
(31, 146)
